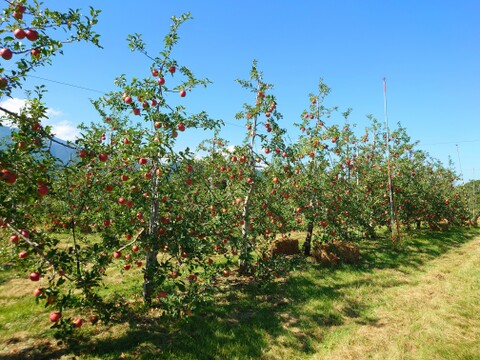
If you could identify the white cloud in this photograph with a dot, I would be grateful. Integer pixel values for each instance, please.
(64, 129)
(13, 104)
(53, 112)
(61, 128)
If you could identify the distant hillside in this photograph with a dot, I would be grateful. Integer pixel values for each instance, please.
(62, 153)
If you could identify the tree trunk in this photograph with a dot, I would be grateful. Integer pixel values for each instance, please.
(475, 220)
(151, 262)
(307, 245)
(244, 258)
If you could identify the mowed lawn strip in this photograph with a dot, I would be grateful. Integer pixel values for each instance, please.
(434, 316)
(418, 303)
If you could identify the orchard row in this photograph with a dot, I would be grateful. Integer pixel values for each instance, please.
(131, 200)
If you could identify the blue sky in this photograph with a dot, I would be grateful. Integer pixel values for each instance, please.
(429, 51)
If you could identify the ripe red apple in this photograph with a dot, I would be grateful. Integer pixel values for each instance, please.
(55, 316)
(162, 295)
(82, 153)
(135, 248)
(93, 319)
(78, 322)
(35, 52)
(139, 263)
(23, 255)
(128, 99)
(172, 69)
(14, 239)
(183, 93)
(3, 83)
(181, 127)
(127, 267)
(43, 190)
(31, 34)
(161, 81)
(155, 72)
(6, 53)
(107, 223)
(136, 111)
(34, 276)
(192, 277)
(153, 102)
(142, 161)
(19, 34)
(275, 180)
(103, 157)
(117, 254)
(37, 292)
(122, 200)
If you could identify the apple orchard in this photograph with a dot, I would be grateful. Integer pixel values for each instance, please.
(130, 201)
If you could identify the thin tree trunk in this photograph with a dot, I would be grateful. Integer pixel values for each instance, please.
(151, 262)
(244, 258)
(307, 245)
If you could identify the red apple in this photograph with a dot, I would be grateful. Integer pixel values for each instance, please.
(43, 190)
(192, 277)
(35, 52)
(93, 319)
(31, 34)
(23, 255)
(136, 111)
(55, 316)
(117, 254)
(127, 267)
(14, 239)
(135, 248)
(6, 53)
(154, 72)
(103, 157)
(127, 99)
(37, 292)
(142, 161)
(19, 34)
(161, 81)
(78, 322)
(181, 127)
(3, 83)
(34, 276)
(183, 93)
(162, 295)
(172, 69)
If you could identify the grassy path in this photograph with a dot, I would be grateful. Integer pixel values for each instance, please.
(434, 316)
(422, 303)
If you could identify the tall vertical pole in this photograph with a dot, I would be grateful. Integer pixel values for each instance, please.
(395, 239)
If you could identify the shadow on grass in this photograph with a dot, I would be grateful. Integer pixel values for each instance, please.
(420, 247)
(246, 321)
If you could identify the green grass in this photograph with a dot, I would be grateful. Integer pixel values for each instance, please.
(418, 303)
